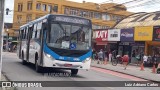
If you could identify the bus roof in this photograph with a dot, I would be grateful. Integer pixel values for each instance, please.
(46, 16)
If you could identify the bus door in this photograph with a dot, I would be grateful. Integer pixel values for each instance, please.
(19, 46)
(33, 43)
(30, 28)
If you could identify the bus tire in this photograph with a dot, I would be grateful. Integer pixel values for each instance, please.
(38, 68)
(74, 71)
(23, 61)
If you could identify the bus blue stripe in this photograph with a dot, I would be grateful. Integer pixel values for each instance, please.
(64, 58)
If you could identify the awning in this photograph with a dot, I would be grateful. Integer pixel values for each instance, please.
(101, 43)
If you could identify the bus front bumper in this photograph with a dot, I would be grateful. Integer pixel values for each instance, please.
(65, 64)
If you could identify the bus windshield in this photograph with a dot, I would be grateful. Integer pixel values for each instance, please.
(69, 36)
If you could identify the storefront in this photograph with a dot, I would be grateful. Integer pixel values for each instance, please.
(113, 39)
(144, 34)
(153, 47)
(128, 45)
(130, 48)
(106, 39)
(126, 37)
(100, 40)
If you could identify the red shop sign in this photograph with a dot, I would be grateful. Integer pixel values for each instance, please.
(102, 35)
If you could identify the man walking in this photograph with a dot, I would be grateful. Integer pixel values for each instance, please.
(100, 57)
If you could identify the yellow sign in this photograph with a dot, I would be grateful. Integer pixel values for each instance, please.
(143, 33)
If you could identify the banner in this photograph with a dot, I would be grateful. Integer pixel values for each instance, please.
(37, 84)
(101, 35)
(127, 34)
(114, 35)
(156, 33)
(143, 33)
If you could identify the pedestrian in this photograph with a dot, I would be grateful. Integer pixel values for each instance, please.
(125, 60)
(110, 56)
(100, 57)
(145, 60)
(105, 58)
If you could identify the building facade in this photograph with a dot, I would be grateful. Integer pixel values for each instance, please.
(103, 16)
(146, 34)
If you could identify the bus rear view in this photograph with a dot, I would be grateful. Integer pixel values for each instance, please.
(65, 43)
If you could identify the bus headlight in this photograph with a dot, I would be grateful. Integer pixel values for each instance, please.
(49, 56)
(87, 59)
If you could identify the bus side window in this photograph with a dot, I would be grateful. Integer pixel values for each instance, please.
(20, 34)
(34, 31)
(31, 31)
(24, 33)
(39, 27)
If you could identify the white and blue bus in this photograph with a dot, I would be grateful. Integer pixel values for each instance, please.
(57, 41)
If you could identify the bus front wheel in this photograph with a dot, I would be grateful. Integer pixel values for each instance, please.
(74, 71)
(38, 68)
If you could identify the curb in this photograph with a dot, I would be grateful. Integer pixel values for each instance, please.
(7, 79)
(3, 73)
(126, 74)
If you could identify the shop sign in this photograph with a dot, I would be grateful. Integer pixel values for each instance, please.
(101, 35)
(114, 35)
(124, 43)
(156, 33)
(137, 44)
(143, 33)
(127, 35)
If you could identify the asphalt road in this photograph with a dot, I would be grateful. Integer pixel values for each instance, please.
(15, 71)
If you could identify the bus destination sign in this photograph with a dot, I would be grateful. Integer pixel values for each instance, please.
(72, 20)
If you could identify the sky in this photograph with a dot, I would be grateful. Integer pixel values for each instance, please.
(132, 6)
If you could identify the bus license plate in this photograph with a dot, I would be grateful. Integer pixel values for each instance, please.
(67, 65)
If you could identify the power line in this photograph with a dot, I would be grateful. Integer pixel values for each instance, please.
(144, 4)
(123, 3)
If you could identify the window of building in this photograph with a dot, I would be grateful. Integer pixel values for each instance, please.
(77, 12)
(90, 14)
(44, 7)
(118, 18)
(38, 6)
(19, 19)
(105, 17)
(114, 17)
(66, 11)
(50, 8)
(85, 14)
(55, 8)
(29, 18)
(81, 13)
(73, 12)
(94, 26)
(104, 27)
(20, 7)
(97, 15)
(29, 6)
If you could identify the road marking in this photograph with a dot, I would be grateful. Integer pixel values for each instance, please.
(117, 74)
(110, 88)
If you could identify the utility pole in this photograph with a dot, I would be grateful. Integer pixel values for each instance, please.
(2, 2)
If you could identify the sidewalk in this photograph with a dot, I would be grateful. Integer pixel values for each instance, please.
(131, 70)
(3, 78)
